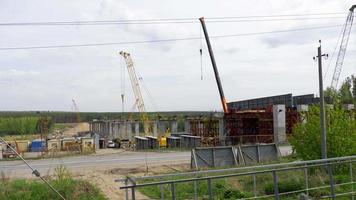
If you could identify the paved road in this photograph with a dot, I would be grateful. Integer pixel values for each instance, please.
(18, 168)
(123, 159)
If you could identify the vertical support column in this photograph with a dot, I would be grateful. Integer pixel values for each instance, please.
(154, 128)
(111, 129)
(222, 136)
(174, 126)
(279, 123)
(187, 126)
(116, 132)
(128, 127)
(137, 128)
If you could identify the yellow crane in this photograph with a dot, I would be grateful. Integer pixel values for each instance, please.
(139, 99)
(79, 127)
(137, 92)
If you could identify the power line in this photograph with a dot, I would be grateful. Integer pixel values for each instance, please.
(173, 20)
(165, 40)
(158, 22)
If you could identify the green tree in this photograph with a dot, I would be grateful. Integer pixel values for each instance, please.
(341, 134)
(331, 96)
(345, 92)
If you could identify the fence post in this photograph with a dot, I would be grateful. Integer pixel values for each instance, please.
(213, 154)
(254, 186)
(352, 181)
(195, 190)
(161, 190)
(173, 190)
(331, 180)
(133, 195)
(210, 191)
(126, 190)
(306, 179)
(275, 183)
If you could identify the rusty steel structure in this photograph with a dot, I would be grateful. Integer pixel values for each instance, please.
(207, 129)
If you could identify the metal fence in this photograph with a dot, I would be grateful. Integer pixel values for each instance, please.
(229, 156)
(203, 184)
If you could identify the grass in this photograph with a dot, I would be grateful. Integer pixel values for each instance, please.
(31, 190)
(21, 189)
(243, 186)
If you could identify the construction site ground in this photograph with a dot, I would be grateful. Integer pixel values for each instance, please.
(104, 167)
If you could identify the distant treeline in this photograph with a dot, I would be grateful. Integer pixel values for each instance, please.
(24, 125)
(72, 117)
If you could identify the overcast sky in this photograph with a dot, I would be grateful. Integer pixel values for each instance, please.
(250, 66)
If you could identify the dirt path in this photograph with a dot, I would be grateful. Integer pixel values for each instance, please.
(77, 127)
(104, 178)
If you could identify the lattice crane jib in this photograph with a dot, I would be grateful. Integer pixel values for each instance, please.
(137, 91)
(343, 46)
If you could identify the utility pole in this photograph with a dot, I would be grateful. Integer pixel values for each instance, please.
(322, 108)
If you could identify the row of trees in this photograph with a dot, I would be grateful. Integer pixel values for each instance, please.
(25, 125)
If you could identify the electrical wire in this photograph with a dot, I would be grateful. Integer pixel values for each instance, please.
(191, 21)
(164, 40)
(163, 20)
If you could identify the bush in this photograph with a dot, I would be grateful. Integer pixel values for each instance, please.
(284, 186)
(233, 194)
(341, 134)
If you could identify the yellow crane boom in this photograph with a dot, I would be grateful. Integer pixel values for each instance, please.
(137, 91)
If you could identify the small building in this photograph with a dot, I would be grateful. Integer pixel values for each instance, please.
(70, 144)
(141, 143)
(87, 144)
(190, 141)
(38, 145)
(54, 145)
(152, 142)
(23, 145)
(173, 142)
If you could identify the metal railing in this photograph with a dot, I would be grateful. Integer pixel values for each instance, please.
(330, 167)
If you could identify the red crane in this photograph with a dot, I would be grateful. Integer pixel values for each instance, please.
(216, 72)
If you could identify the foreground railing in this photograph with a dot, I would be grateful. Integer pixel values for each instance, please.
(337, 179)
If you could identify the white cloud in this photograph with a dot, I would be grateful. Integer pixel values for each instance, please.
(253, 66)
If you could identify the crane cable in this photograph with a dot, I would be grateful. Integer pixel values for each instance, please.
(122, 84)
(333, 53)
(201, 54)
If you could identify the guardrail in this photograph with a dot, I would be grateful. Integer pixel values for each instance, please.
(329, 166)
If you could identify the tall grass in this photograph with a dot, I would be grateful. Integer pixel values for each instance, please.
(34, 189)
(19, 126)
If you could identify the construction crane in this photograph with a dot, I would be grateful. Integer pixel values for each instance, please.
(216, 72)
(342, 49)
(79, 127)
(137, 92)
